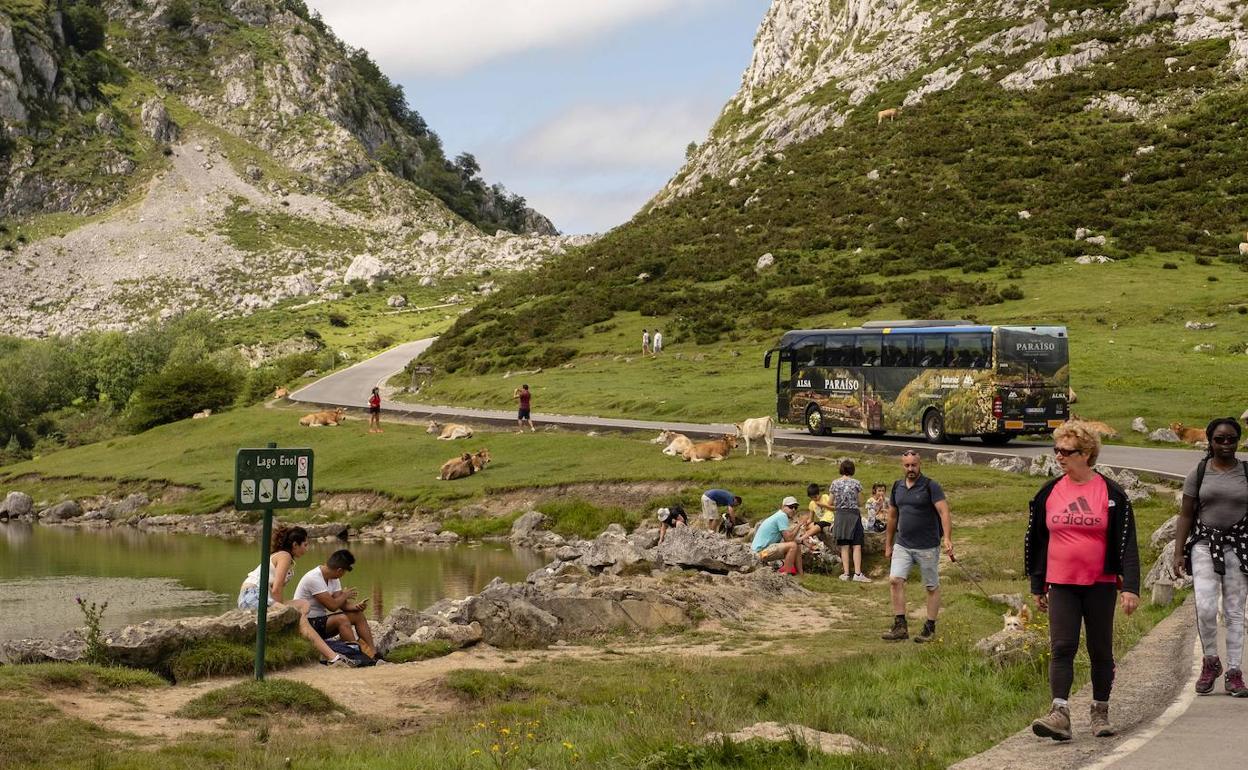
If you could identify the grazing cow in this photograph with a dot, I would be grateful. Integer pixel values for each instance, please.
(317, 419)
(756, 428)
(1190, 435)
(717, 449)
(450, 431)
(675, 443)
(890, 114)
(1096, 425)
(457, 468)
(281, 393)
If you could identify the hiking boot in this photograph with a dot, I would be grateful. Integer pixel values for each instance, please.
(899, 631)
(1099, 720)
(1210, 670)
(861, 578)
(1234, 684)
(927, 634)
(1055, 724)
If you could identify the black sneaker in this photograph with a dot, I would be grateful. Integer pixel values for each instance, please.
(899, 631)
(927, 634)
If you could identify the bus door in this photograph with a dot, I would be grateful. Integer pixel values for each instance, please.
(784, 379)
(869, 361)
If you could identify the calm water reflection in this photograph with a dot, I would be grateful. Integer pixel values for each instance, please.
(390, 575)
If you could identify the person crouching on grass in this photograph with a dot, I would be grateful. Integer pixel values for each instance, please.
(335, 612)
(776, 538)
(1080, 547)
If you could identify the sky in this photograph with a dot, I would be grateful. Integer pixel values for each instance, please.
(584, 107)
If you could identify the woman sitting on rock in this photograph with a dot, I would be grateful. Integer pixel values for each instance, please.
(1213, 532)
(288, 544)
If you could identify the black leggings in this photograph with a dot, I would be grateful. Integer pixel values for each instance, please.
(1094, 607)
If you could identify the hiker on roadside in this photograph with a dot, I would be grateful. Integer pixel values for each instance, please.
(287, 544)
(525, 414)
(846, 499)
(1211, 544)
(877, 507)
(645, 341)
(334, 611)
(712, 499)
(657, 347)
(1080, 547)
(670, 518)
(374, 411)
(776, 538)
(919, 521)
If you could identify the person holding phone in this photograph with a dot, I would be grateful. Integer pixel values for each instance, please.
(334, 611)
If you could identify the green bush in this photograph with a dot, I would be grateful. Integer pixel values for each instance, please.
(218, 657)
(178, 392)
(84, 27)
(179, 15)
(257, 700)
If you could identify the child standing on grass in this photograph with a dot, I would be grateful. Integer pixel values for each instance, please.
(876, 506)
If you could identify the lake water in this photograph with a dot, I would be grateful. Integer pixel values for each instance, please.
(145, 575)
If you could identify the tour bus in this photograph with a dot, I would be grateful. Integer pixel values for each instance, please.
(944, 379)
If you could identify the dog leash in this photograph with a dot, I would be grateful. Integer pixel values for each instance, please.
(970, 577)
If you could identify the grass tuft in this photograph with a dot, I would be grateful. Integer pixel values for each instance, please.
(76, 676)
(477, 685)
(254, 700)
(217, 657)
(420, 651)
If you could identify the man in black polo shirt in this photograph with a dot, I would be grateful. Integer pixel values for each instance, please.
(919, 522)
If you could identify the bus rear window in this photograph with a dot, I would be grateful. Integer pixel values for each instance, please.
(1028, 353)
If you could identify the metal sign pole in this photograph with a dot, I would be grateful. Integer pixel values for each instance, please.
(262, 604)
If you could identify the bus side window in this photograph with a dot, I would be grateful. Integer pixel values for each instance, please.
(930, 350)
(808, 353)
(970, 351)
(838, 351)
(867, 350)
(898, 350)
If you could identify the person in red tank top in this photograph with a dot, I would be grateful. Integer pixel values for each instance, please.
(525, 398)
(374, 411)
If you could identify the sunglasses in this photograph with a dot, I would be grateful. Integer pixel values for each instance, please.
(1224, 439)
(1064, 452)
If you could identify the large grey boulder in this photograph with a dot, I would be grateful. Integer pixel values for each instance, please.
(17, 505)
(699, 549)
(1044, 465)
(525, 527)
(156, 122)
(612, 552)
(128, 506)
(1164, 434)
(1165, 533)
(69, 509)
(1163, 570)
(774, 732)
(366, 268)
(954, 457)
(1139, 426)
(1011, 646)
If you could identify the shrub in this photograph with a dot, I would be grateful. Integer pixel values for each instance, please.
(179, 14)
(84, 27)
(250, 700)
(339, 320)
(1012, 292)
(177, 392)
(1169, 266)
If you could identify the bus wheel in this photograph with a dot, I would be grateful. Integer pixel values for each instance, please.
(934, 427)
(996, 439)
(814, 421)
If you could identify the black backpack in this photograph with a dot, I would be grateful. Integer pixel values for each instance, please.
(350, 650)
(892, 500)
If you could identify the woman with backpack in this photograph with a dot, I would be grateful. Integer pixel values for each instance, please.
(288, 544)
(1211, 544)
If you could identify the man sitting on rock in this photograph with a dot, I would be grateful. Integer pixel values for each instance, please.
(334, 611)
(776, 538)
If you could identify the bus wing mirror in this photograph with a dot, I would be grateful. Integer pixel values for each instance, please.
(767, 359)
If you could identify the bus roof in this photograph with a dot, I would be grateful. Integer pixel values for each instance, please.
(919, 327)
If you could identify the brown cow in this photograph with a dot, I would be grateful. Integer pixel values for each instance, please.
(1190, 435)
(1104, 430)
(480, 459)
(457, 468)
(317, 419)
(281, 393)
(716, 449)
(890, 114)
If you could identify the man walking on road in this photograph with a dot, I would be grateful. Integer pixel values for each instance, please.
(525, 398)
(919, 522)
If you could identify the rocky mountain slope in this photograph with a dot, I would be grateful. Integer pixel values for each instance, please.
(163, 155)
(920, 156)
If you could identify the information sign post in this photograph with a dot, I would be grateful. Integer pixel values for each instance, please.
(265, 479)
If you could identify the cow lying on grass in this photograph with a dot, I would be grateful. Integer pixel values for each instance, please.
(464, 465)
(716, 449)
(449, 431)
(1189, 435)
(317, 419)
(675, 443)
(757, 428)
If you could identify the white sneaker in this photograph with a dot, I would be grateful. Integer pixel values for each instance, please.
(341, 662)
(861, 578)
(844, 576)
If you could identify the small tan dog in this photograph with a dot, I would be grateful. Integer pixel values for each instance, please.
(1016, 622)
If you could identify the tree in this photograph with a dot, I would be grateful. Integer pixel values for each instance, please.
(690, 149)
(177, 392)
(84, 27)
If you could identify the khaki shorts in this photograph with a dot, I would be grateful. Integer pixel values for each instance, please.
(772, 552)
(710, 510)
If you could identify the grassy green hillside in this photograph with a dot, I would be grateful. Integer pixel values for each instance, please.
(917, 218)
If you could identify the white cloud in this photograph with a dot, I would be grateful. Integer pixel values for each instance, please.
(412, 37)
(624, 137)
(591, 209)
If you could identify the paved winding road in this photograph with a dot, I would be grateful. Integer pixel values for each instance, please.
(351, 387)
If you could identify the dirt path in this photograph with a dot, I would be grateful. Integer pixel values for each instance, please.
(409, 694)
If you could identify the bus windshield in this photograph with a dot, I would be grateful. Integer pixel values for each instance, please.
(1033, 352)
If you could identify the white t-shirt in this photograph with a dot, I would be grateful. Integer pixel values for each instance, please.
(314, 583)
